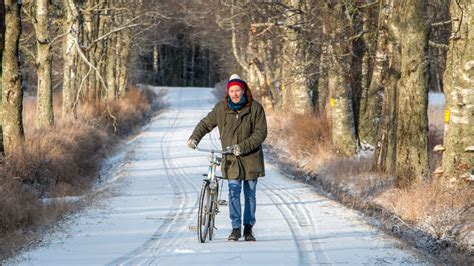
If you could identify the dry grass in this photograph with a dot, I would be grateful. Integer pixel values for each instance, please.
(311, 135)
(354, 176)
(304, 142)
(20, 213)
(431, 206)
(61, 161)
(311, 150)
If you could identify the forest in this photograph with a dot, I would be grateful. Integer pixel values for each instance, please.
(338, 78)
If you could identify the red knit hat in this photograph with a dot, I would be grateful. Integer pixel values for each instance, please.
(236, 80)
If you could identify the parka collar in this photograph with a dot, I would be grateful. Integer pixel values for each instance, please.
(244, 110)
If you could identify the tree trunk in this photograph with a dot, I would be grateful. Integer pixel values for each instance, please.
(124, 58)
(370, 112)
(412, 118)
(323, 83)
(185, 56)
(459, 93)
(193, 64)
(269, 67)
(44, 107)
(210, 69)
(364, 80)
(296, 96)
(155, 59)
(342, 116)
(100, 51)
(162, 64)
(111, 60)
(252, 54)
(263, 82)
(70, 60)
(12, 93)
(385, 153)
(364, 66)
(89, 29)
(2, 40)
(239, 56)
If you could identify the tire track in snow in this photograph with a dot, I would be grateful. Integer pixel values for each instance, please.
(272, 197)
(165, 154)
(179, 200)
(167, 244)
(182, 224)
(191, 215)
(305, 220)
(180, 227)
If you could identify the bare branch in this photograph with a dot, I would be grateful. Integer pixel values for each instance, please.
(442, 23)
(58, 37)
(81, 86)
(112, 32)
(358, 35)
(368, 5)
(83, 56)
(438, 45)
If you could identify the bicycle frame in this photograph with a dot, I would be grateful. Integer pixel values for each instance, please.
(214, 161)
(210, 186)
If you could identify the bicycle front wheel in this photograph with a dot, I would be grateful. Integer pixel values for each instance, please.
(205, 205)
(214, 210)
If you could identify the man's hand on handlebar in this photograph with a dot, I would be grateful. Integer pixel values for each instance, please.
(236, 150)
(192, 143)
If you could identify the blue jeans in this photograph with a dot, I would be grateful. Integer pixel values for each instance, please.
(235, 211)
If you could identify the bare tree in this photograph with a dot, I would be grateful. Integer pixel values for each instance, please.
(296, 95)
(110, 54)
(45, 116)
(372, 89)
(12, 92)
(341, 113)
(385, 153)
(458, 87)
(70, 59)
(412, 98)
(2, 30)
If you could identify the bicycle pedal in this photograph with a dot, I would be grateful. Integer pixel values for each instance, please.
(192, 228)
(222, 202)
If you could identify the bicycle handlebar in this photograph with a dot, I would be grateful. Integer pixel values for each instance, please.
(227, 151)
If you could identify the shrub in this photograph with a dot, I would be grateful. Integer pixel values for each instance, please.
(61, 161)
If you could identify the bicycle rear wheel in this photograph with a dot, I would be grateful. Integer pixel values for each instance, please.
(205, 204)
(214, 209)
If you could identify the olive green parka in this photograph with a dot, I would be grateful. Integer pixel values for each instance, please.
(247, 128)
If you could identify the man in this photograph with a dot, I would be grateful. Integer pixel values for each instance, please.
(242, 124)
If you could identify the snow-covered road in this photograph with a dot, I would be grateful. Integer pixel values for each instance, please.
(149, 220)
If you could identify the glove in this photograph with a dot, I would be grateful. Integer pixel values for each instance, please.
(236, 150)
(192, 143)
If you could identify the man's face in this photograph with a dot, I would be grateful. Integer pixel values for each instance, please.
(235, 93)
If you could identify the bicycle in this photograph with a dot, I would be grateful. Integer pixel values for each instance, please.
(209, 196)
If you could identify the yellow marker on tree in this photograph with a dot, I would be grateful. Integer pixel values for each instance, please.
(447, 115)
(331, 102)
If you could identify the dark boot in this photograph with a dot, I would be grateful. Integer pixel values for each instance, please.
(235, 235)
(248, 234)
